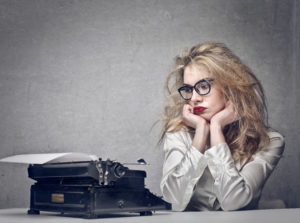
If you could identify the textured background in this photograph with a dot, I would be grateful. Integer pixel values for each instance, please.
(87, 76)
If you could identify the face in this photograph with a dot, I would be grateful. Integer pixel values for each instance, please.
(209, 104)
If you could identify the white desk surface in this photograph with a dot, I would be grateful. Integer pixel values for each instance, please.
(256, 216)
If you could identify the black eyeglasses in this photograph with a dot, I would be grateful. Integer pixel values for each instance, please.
(202, 87)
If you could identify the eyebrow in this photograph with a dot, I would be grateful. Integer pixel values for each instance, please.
(187, 85)
(204, 79)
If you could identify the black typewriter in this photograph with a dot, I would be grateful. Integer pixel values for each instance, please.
(90, 188)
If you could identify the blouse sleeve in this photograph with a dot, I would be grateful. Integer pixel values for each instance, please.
(236, 189)
(183, 166)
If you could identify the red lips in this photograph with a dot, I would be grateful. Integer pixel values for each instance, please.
(199, 109)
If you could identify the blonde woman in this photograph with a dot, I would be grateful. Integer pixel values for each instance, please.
(219, 151)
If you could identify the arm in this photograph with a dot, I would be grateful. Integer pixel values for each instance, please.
(184, 161)
(183, 166)
(219, 121)
(200, 125)
(235, 189)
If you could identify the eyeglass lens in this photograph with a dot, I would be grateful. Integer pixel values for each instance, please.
(202, 88)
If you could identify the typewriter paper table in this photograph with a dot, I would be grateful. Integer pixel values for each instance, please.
(258, 216)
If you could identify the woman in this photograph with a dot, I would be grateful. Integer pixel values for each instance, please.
(219, 151)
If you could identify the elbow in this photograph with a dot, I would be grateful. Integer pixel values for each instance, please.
(166, 193)
(229, 206)
(240, 206)
(232, 206)
(172, 197)
(239, 202)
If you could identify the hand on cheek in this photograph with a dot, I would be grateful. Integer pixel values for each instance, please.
(190, 119)
(200, 125)
(224, 117)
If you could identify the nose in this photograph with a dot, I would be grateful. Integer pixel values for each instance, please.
(196, 97)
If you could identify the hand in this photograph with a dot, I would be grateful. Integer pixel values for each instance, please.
(190, 119)
(226, 116)
(200, 125)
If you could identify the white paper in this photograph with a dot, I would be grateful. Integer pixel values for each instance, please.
(48, 158)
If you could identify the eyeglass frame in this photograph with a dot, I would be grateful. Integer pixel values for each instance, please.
(194, 87)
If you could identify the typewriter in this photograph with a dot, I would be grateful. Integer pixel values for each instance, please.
(90, 188)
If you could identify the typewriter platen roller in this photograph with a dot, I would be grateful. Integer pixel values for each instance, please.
(90, 188)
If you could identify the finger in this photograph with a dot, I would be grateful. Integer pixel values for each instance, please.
(236, 116)
(231, 108)
(187, 108)
(229, 104)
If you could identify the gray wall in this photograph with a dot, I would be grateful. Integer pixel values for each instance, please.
(88, 76)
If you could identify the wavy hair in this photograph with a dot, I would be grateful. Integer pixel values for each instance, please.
(238, 84)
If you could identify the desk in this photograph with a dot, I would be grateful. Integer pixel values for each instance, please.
(18, 215)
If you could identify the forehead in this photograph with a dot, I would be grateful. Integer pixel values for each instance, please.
(195, 72)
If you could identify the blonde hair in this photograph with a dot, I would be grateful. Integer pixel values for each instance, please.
(238, 84)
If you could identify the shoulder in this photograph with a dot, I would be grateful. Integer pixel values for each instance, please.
(178, 135)
(275, 147)
(179, 139)
(276, 139)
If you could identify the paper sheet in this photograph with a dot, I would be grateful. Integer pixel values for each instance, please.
(48, 158)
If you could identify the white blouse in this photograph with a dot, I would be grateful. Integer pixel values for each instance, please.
(212, 181)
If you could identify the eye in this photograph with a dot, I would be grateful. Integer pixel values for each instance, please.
(203, 86)
(188, 89)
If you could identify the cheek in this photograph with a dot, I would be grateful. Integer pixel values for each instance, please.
(214, 109)
(218, 103)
